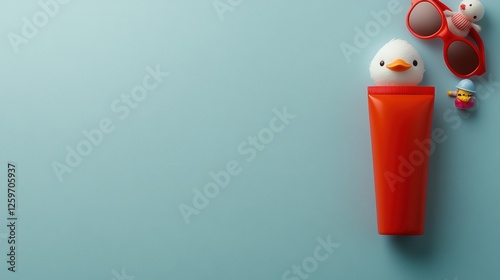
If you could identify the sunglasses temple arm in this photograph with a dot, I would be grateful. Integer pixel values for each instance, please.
(482, 57)
(475, 35)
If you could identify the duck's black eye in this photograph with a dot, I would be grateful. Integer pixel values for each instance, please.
(475, 17)
(415, 63)
(470, 5)
(382, 63)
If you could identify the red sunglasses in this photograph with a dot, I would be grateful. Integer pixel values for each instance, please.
(426, 20)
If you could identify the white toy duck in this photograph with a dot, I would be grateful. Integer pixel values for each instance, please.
(461, 22)
(397, 63)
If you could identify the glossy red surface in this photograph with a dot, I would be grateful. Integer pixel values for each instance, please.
(400, 125)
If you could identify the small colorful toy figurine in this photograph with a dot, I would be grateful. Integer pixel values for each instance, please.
(464, 94)
(460, 22)
(397, 63)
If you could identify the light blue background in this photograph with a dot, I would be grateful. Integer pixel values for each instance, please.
(119, 208)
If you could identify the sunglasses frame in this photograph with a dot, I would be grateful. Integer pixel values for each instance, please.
(448, 38)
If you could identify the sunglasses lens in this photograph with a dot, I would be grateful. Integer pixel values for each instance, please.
(462, 58)
(425, 19)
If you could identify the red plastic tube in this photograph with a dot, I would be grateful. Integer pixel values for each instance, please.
(400, 125)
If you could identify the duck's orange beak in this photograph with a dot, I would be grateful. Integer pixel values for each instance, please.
(399, 65)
